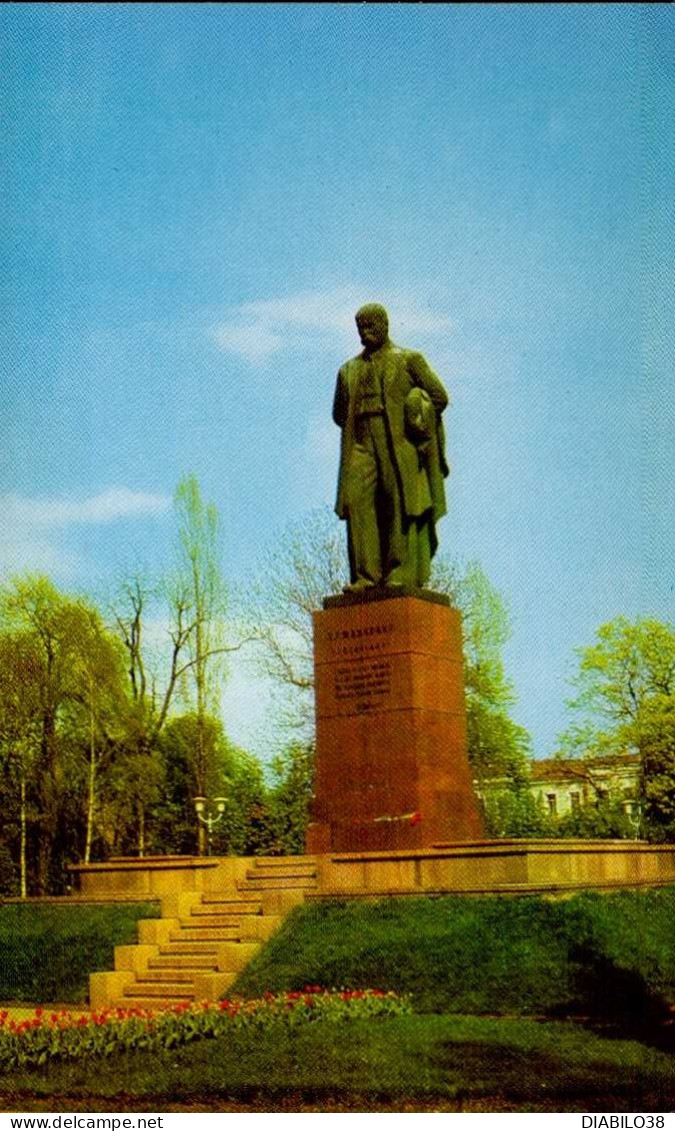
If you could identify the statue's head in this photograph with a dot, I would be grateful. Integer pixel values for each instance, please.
(372, 323)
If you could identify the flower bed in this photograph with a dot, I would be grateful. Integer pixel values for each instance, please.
(65, 1036)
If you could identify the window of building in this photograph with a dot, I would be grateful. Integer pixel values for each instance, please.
(575, 802)
(552, 802)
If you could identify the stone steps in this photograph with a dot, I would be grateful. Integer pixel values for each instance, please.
(190, 961)
(187, 950)
(206, 934)
(165, 991)
(255, 882)
(216, 922)
(138, 1002)
(227, 907)
(284, 865)
(195, 951)
(167, 975)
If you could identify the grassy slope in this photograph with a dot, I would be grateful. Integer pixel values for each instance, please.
(492, 955)
(483, 955)
(47, 952)
(522, 1060)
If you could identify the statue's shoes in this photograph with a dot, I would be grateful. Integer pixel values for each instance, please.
(358, 586)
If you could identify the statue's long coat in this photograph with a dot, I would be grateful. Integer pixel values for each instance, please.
(421, 481)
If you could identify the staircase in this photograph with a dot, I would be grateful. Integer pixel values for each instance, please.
(203, 939)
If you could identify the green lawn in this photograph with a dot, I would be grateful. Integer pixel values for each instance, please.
(591, 954)
(47, 951)
(610, 958)
(423, 1060)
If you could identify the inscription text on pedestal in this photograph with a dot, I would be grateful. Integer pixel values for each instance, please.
(363, 684)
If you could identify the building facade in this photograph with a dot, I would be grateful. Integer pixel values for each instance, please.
(564, 785)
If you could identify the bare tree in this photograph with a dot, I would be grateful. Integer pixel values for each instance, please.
(309, 563)
(191, 601)
(200, 588)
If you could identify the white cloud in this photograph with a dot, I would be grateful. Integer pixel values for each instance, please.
(255, 341)
(311, 319)
(107, 506)
(32, 530)
(26, 550)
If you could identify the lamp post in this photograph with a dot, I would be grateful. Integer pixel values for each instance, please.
(208, 818)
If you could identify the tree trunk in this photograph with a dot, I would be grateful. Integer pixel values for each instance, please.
(22, 851)
(141, 830)
(91, 798)
(47, 800)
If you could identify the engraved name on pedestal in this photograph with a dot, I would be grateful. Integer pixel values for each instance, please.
(359, 670)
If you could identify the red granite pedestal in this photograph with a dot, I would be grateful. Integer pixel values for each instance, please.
(392, 767)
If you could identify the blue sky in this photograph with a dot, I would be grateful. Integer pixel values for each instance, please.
(198, 197)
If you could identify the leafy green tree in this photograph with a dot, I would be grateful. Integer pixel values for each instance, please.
(197, 761)
(625, 703)
(290, 796)
(498, 746)
(8, 884)
(515, 812)
(657, 746)
(97, 707)
(628, 670)
(512, 811)
(20, 708)
(70, 665)
(246, 828)
(247, 825)
(606, 820)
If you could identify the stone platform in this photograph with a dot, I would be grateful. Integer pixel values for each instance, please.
(492, 867)
(392, 767)
(497, 867)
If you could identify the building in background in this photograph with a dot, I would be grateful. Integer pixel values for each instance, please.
(562, 786)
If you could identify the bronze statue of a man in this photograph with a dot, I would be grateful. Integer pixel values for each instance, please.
(388, 403)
